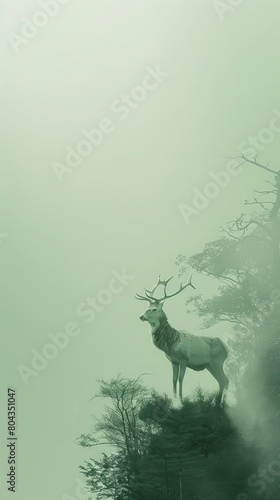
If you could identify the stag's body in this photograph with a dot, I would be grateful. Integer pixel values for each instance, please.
(183, 349)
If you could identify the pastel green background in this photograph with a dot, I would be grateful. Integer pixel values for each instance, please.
(120, 206)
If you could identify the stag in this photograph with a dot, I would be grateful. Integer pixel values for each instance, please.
(183, 349)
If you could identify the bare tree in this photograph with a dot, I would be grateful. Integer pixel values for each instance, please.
(267, 220)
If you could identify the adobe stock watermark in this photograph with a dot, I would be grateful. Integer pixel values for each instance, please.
(223, 7)
(87, 310)
(81, 492)
(259, 480)
(30, 27)
(3, 236)
(122, 107)
(251, 147)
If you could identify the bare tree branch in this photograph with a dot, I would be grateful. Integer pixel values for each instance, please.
(253, 162)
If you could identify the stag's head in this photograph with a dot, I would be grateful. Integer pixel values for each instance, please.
(154, 314)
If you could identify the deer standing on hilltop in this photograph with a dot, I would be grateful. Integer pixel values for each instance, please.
(183, 349)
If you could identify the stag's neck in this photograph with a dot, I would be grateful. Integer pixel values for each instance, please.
(164, 336)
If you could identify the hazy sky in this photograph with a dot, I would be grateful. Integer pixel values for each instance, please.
(216, 82)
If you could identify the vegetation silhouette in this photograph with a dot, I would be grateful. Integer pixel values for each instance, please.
(203, 451)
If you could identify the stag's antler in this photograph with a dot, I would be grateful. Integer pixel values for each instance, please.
(141, 297)
(150, 293)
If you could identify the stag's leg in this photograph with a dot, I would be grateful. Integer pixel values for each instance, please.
(175, 368)
(183, 368)
(216, 369)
